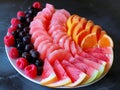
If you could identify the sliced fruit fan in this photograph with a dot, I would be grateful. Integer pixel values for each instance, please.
(63, 50)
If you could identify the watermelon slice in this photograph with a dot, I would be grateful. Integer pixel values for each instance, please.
(93, 64)
(48, 75)
(104, 50)
(63, 78)
(105, 57)
(76, 75)
(91, 72)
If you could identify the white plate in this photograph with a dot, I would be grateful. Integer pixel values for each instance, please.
(38, 78)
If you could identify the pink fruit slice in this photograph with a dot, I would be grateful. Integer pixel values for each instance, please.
(93, 64)
(57, 37)
(67, 44)
(90, 71)
(52, 48)
(63, 78)
(37, 34)
(73, 47)
(62, 41)
(48, 75)
(44, 49)
(106, 50)
(59, 54)
(40, 39)
(105, 57)
(56, 27)
(76, 75)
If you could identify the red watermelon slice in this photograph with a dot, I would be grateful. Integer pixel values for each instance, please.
(63, 78)
(76, 75)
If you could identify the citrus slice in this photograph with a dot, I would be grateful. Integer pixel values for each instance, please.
(80, 36)
(72, 18)
(105, 41)
(89, 41)
(89, 25)
(79, 27)
(96, 29)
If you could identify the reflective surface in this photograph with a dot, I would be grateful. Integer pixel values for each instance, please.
(103, 12)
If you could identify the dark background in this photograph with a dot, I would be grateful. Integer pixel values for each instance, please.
(103, 12)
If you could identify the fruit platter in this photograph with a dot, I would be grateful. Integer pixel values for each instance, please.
(57, 49)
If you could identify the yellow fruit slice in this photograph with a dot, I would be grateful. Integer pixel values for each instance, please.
(89, 41)
(80, 36)
(105, 41)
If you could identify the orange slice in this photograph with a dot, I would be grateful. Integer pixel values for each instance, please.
(72, 18)
(89, 41)
(80, 36)
(71, 28)
(79, 27)
(96, 29)
(89, 25)
(105, 41)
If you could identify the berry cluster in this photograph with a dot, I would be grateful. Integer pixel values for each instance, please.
(19, 39)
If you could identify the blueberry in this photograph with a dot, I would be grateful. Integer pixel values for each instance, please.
(26, 29)
(15, 34)
(20, 45)
(29, 19)
(39, 70)
(22, 19)
(22, 34)
(26, 55)
(21, 25)
(26, 39)
(30, 8)
(28, 47)
(28, 15)
(34, 53)
(39, 62)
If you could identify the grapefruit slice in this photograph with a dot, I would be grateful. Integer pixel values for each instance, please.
(76, 75)
(91, 72)
(63, 78)
(48, 75)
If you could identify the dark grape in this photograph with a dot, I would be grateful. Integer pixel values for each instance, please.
(28, 47)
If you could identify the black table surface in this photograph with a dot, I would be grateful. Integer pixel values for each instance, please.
(103, 12)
